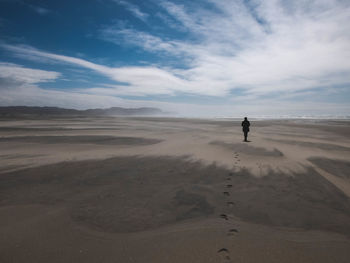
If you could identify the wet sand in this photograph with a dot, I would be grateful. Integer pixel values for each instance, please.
(174, 190)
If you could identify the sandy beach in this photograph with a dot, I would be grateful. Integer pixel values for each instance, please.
(174, 190)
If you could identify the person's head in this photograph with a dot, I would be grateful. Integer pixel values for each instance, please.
(245, 118)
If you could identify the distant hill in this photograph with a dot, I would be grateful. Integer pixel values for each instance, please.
(24, 111)
(125, 111)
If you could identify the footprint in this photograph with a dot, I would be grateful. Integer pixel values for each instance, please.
(225, 254)
(224, 216)
(229, 185)
(230, 174)
(230, 204)
(228, 179)
(226, 193)
(231, 232)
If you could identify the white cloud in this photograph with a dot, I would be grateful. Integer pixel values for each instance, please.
(41, 10)
(13, 73)
(267, 46)
(178, 12)
(139, 80)
(131, 36)
(135, 10)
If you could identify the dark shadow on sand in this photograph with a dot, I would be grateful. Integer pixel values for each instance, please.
(129, 194)
(322, 146)
(82, 139)
(338, 168)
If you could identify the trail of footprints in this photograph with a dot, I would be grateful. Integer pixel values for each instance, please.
(224, 252)
(236, 157)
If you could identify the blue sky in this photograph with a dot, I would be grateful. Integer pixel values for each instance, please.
(195, 58)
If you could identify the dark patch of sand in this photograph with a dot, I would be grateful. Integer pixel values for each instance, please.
(11, 167)
(336, 167)
(248, 149)
(18, 156)
(322, 146)
(82, 139)
(116, 195)
(338, 127)
(304, 200)
(191, 205)
(128, 194)
(46, 129)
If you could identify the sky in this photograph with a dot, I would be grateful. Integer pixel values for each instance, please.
(215, 58)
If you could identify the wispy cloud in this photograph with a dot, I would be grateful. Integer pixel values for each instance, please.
(40, 10)
(265, 47)
(134, 9)
(149, 42)
(18, 75)
(19, 85)
(139, 80)
(179, 13)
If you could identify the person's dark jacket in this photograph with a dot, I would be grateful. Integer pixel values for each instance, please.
(245, 125)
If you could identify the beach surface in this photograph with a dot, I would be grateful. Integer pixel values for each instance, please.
(115, 189)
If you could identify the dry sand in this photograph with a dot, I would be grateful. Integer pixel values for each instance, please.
(174, 190)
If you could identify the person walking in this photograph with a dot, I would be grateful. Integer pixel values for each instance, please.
(245, 127)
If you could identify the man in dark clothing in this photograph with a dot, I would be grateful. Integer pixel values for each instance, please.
(245, 125)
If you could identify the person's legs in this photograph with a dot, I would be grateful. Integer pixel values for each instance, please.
(245, 136)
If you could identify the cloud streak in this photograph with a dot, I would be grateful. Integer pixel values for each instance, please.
(138, 80)
(135, 10)
(12, 73)
(40, 10)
